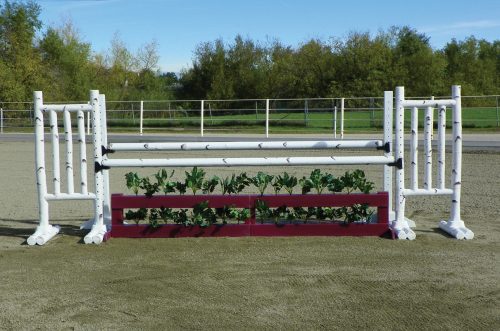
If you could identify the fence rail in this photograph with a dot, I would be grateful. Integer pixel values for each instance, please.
(309, 115)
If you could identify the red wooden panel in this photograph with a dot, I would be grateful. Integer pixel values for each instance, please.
(249, 228)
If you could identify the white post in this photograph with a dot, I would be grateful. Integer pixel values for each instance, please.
(83, 151)
(55, 153)
(414, 148)
(388, 122)
(342, 118)
(441, 147)
(1, 120)
(41, 178)
(88, 123)
(428, 136)
(141, 117)
(104, 140)
(202, 110)
(455, 226)
(400, 226)
(68, 134)
(335, 122)
(44, 231)
(98, 231)
(267, 118)
(456, 167)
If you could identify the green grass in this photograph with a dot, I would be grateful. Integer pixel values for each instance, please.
(477, 119)
(357, 121)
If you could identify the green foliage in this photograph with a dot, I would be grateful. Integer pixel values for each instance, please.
(154, 216)
(149, 188)
(287, 182)
(262, 210)
(194, 179)
(163, 182)
(210, 185)
(261, 181)
(356, 180)
(316, 180)
(133, 181)
(235, 183)
(136, 216)
(202, 215)
(180, 187)
(277, 185)
(166, 214)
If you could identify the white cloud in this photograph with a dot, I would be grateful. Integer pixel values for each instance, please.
(455, 27)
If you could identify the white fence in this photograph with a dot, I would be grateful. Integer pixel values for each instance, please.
(265, 116)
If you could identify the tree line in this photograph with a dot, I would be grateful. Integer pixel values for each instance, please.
(57, 61)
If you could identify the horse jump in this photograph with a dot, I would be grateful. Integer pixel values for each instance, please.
(389, 159)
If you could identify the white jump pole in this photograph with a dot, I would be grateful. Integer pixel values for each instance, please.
(267, 118)
(68, 135)
(44, 231)
(104, 139)
(414, 148)
(55, 152)
(83, 151)
(400, 226)
(441, 147)
(257, 161)
(88, 123)
(428, 137)
(98, 231)
(388, 133)
(455, 226)
(202, 111)
(248, 145)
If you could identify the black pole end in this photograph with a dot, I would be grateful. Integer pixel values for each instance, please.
(98, 167)
(386, 147)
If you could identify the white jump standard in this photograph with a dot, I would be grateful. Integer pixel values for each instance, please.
(400, 225)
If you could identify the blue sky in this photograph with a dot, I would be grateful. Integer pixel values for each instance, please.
(179, 25)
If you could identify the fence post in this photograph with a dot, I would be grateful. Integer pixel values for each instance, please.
(306, 113)
(498, 118)
(335, 122)
(342, 118)
(267, 118)
(141, 117)
(1, 120)
(202, 110)
(372, 112)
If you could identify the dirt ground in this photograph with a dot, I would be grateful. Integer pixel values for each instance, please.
(432, 283)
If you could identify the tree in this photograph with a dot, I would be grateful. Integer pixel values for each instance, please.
(67, 63)
(475, 64)
(417, 66)
(19, 60)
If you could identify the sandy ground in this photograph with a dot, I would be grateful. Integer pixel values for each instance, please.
(250, 283)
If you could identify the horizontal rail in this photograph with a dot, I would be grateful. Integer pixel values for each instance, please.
(379, 199)
(429, 103)
(71, 107)
(246, 145)
(434, 191)
(67, 196)
(258, 161)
